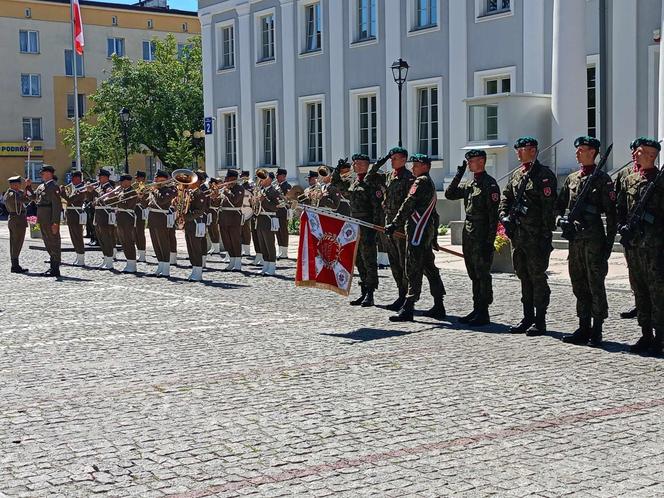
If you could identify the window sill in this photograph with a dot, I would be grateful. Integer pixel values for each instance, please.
(496, 15)
(310, 53)
(29, 53)
(226, 70)
(31, 96)
(266, 62)
(71, 76)
(417, 30)
(364, 42)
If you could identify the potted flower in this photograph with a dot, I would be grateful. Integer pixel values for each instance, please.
(502, 259)
(35, 230)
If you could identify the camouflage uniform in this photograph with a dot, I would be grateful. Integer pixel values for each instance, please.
(617, 184)
(342, 185)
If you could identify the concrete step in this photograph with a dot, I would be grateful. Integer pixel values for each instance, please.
(563, 244)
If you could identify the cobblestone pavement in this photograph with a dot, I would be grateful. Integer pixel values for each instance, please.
(125, 385)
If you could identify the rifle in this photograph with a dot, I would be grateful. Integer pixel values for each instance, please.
(629, 230)
(572, 223)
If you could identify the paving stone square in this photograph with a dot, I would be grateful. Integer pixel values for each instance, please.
(131, 385)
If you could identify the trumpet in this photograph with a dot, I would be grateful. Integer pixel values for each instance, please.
(108, 195)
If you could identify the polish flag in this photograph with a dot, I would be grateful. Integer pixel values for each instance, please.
(78, 27)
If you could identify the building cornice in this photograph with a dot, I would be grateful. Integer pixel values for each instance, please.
(121, 7)
(221, 7)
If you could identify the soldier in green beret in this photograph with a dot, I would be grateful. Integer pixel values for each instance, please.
(481, 197)
(527, 213)
(591, 245)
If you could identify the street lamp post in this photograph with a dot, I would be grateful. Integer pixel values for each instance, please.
(125, 115)
(400, 74)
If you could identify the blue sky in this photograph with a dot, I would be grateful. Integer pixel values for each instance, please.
(173, 4)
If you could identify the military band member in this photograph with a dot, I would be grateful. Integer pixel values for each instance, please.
(311, 194)
(417, 214)
(16, 201)
(205, 189)
(194, 230)
(49, 210)
(141, 216)
(76, 195)
(125, 204)
(282, 213)
(230, 219)
(341, 180)
(646, 248)
(365, 198)
(330, 196)
(213, 227)
(246, 224)
(531, 232)
(591, 245)
(161, 220)
(173, 243)
(267, 224)
(105, 217)
(481, 198)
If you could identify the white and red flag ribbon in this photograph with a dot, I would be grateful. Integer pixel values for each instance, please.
(326, 253)
(79, 43)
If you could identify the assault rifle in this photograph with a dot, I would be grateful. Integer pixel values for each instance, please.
(573, 222)
(629, 230)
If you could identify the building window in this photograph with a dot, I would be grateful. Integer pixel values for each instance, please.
(483, 122)
(149, 49)
(183, 48)
(267, 37)
(70, 105)
(366, 20)
(230, 139)
(32, 128)
(315, 132)
(31, 85)
(32, 170)
(591, 75)
(28, 41)
(227, 47)
(501, 84)
(115, 46)
(269, 157)
(497, 6)
(427, 121)
(313, 36)
(69, 64)
(368, 125)
(426, 13)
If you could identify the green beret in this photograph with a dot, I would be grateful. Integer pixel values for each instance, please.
(646, 142)
(475, 153)
(361, 157)
(398, 150)
(420, 158)
(589, 141)
(525, 142)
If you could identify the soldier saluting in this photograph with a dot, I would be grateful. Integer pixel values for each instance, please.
(527, 213)
(16, 200)
(481, 198)
(589, 244)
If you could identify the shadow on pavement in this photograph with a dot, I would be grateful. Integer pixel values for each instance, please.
(367, 334)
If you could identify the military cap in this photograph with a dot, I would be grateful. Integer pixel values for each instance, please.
(78, 174)
(475, 153)
(141, 174)
(420, 158)
(525, 142)
(15, 179)
(213, 180)
(313, 174)
(361, 157)
(47, 168)
(281, 171)
(271, 175)
(161, 174)
(125, 177)
(232, 172)
(244, 174)
(202, 175)
(104, 172)
(398, 150)
(589, 141)
(646, 142)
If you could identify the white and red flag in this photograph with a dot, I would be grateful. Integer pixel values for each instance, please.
(326, 254)
(79, 43)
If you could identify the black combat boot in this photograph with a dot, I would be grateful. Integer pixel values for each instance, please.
(398, 304)
(528, 320)
(53, 271)
(596, 335)
(481, 318)
(16, 268)
(581, 335)
(539, 328)
(658, 342)
(629, 314)
(437, 311)
(645, 342)
(405, 314)
(368, 299)
(359, 300)
(468, 317)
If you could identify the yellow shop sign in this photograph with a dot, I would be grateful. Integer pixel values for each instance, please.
(20, 149)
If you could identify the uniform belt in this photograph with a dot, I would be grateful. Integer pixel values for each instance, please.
(266, 213)
(104, 208)
(237, 210)
(75, 208)
(163, 211)
(130, 211)
(214, 208)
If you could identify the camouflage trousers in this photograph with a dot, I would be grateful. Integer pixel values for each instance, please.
(396, 252)
(366, 259)
(587, 271)
(530, 257)
(646, 277)
(420, 263)
(478, 257)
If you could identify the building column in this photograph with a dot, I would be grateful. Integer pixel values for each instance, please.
(245, 60)
(209, 69)
(569, 96)
(289, 107)
(337, 103)
(457, 113)
(660, 82)
(392, 53)
(533, 47)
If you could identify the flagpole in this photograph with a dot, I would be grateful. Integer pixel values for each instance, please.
(75, 67)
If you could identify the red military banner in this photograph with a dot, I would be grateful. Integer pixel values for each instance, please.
(326, 253)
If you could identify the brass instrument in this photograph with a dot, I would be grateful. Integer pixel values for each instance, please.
(185, 178)
(323, 171)
(107, 195)
(262, 173)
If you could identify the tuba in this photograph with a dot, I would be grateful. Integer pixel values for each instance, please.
(262, 173)
(184, 178)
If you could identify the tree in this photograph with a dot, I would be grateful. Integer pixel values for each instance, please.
(164, 96)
